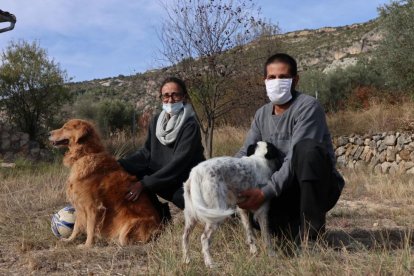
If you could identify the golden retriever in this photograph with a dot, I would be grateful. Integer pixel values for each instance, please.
(97, 186)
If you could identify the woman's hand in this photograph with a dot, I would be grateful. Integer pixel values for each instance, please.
(134, 191)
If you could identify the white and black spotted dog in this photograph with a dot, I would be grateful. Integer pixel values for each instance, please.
(211, 191)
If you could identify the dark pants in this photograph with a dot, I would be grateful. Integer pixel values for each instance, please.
(173, 193)
(301, 208)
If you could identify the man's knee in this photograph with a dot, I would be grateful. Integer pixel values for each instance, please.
(309, 149)
(310, 153)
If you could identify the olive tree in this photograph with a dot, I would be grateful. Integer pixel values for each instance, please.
(31, 87)
(395, 53)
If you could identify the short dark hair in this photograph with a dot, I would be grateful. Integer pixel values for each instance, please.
(283, 58)
(177, 81)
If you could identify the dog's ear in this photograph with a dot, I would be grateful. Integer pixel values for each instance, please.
(82, 131)
(272, 151)
(251, 149)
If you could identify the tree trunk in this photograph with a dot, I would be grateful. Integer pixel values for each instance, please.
(208, 138)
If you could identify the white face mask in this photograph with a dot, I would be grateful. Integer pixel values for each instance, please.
(173, 108)
(278, 90)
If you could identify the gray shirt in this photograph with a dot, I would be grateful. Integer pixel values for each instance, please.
(304, 119)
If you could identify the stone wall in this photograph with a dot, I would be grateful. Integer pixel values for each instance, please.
(15, 144)
(388, 152)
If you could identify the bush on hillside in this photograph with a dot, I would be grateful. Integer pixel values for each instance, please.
(337, 89)
(109, 115)
(395, 53)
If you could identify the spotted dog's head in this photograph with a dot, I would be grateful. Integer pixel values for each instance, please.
(266, 150)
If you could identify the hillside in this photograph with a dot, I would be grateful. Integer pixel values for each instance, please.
(322, 49)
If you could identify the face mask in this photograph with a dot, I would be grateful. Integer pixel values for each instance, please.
(278, 90)
(173, 108)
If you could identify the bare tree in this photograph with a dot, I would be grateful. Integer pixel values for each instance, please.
(206, 42)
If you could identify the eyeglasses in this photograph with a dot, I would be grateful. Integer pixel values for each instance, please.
(176, 96)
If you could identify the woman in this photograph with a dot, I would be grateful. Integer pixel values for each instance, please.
(173, 147)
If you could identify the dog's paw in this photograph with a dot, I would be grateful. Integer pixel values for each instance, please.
(211, 265)
(66, 240)
(186, 260)
(271, 253)
(253, 249)
(84, 246)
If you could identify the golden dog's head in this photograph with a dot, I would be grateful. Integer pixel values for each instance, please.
(73, 132)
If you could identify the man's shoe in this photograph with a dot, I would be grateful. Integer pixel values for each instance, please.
(165, 213)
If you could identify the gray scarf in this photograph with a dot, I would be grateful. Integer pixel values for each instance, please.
(168, 127)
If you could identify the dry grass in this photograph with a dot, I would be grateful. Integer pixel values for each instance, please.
(370, 231)
(379, 117)
(228, 140)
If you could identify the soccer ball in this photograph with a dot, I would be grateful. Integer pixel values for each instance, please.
(63, 221)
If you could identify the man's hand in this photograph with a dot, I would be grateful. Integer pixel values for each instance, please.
(254, 198)
(134, 191)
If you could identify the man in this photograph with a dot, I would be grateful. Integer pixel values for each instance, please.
(307, 185)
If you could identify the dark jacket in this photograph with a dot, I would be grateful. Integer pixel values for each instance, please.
(165, 166)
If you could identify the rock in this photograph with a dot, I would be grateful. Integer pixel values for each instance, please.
(373, 144)
(391, 154)
(364, 152)
(350, 150)
(367, 141)
(405, 155)
(376, 138)
(374, 161)
(341, 162)
(33, 145)
(340, 151)
(408, 165)
(410, 146)
(358, 152)
(383, 156)
(390, 140)
(5, 144)
(14, 137)
(5, 135)
(8, 156)
(398, 158)
(7, 165)
(25, 136)
(401, 167)
(342, 141)
(359, 141)
(410, 171)
(382, 147)
(369, 155)
(35, 151)
(393, 168)
(404, 139)
(354, 150)
(385, 167)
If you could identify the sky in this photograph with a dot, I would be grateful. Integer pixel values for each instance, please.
(93, 39)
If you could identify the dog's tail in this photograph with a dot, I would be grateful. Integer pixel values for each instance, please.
(194, 192)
